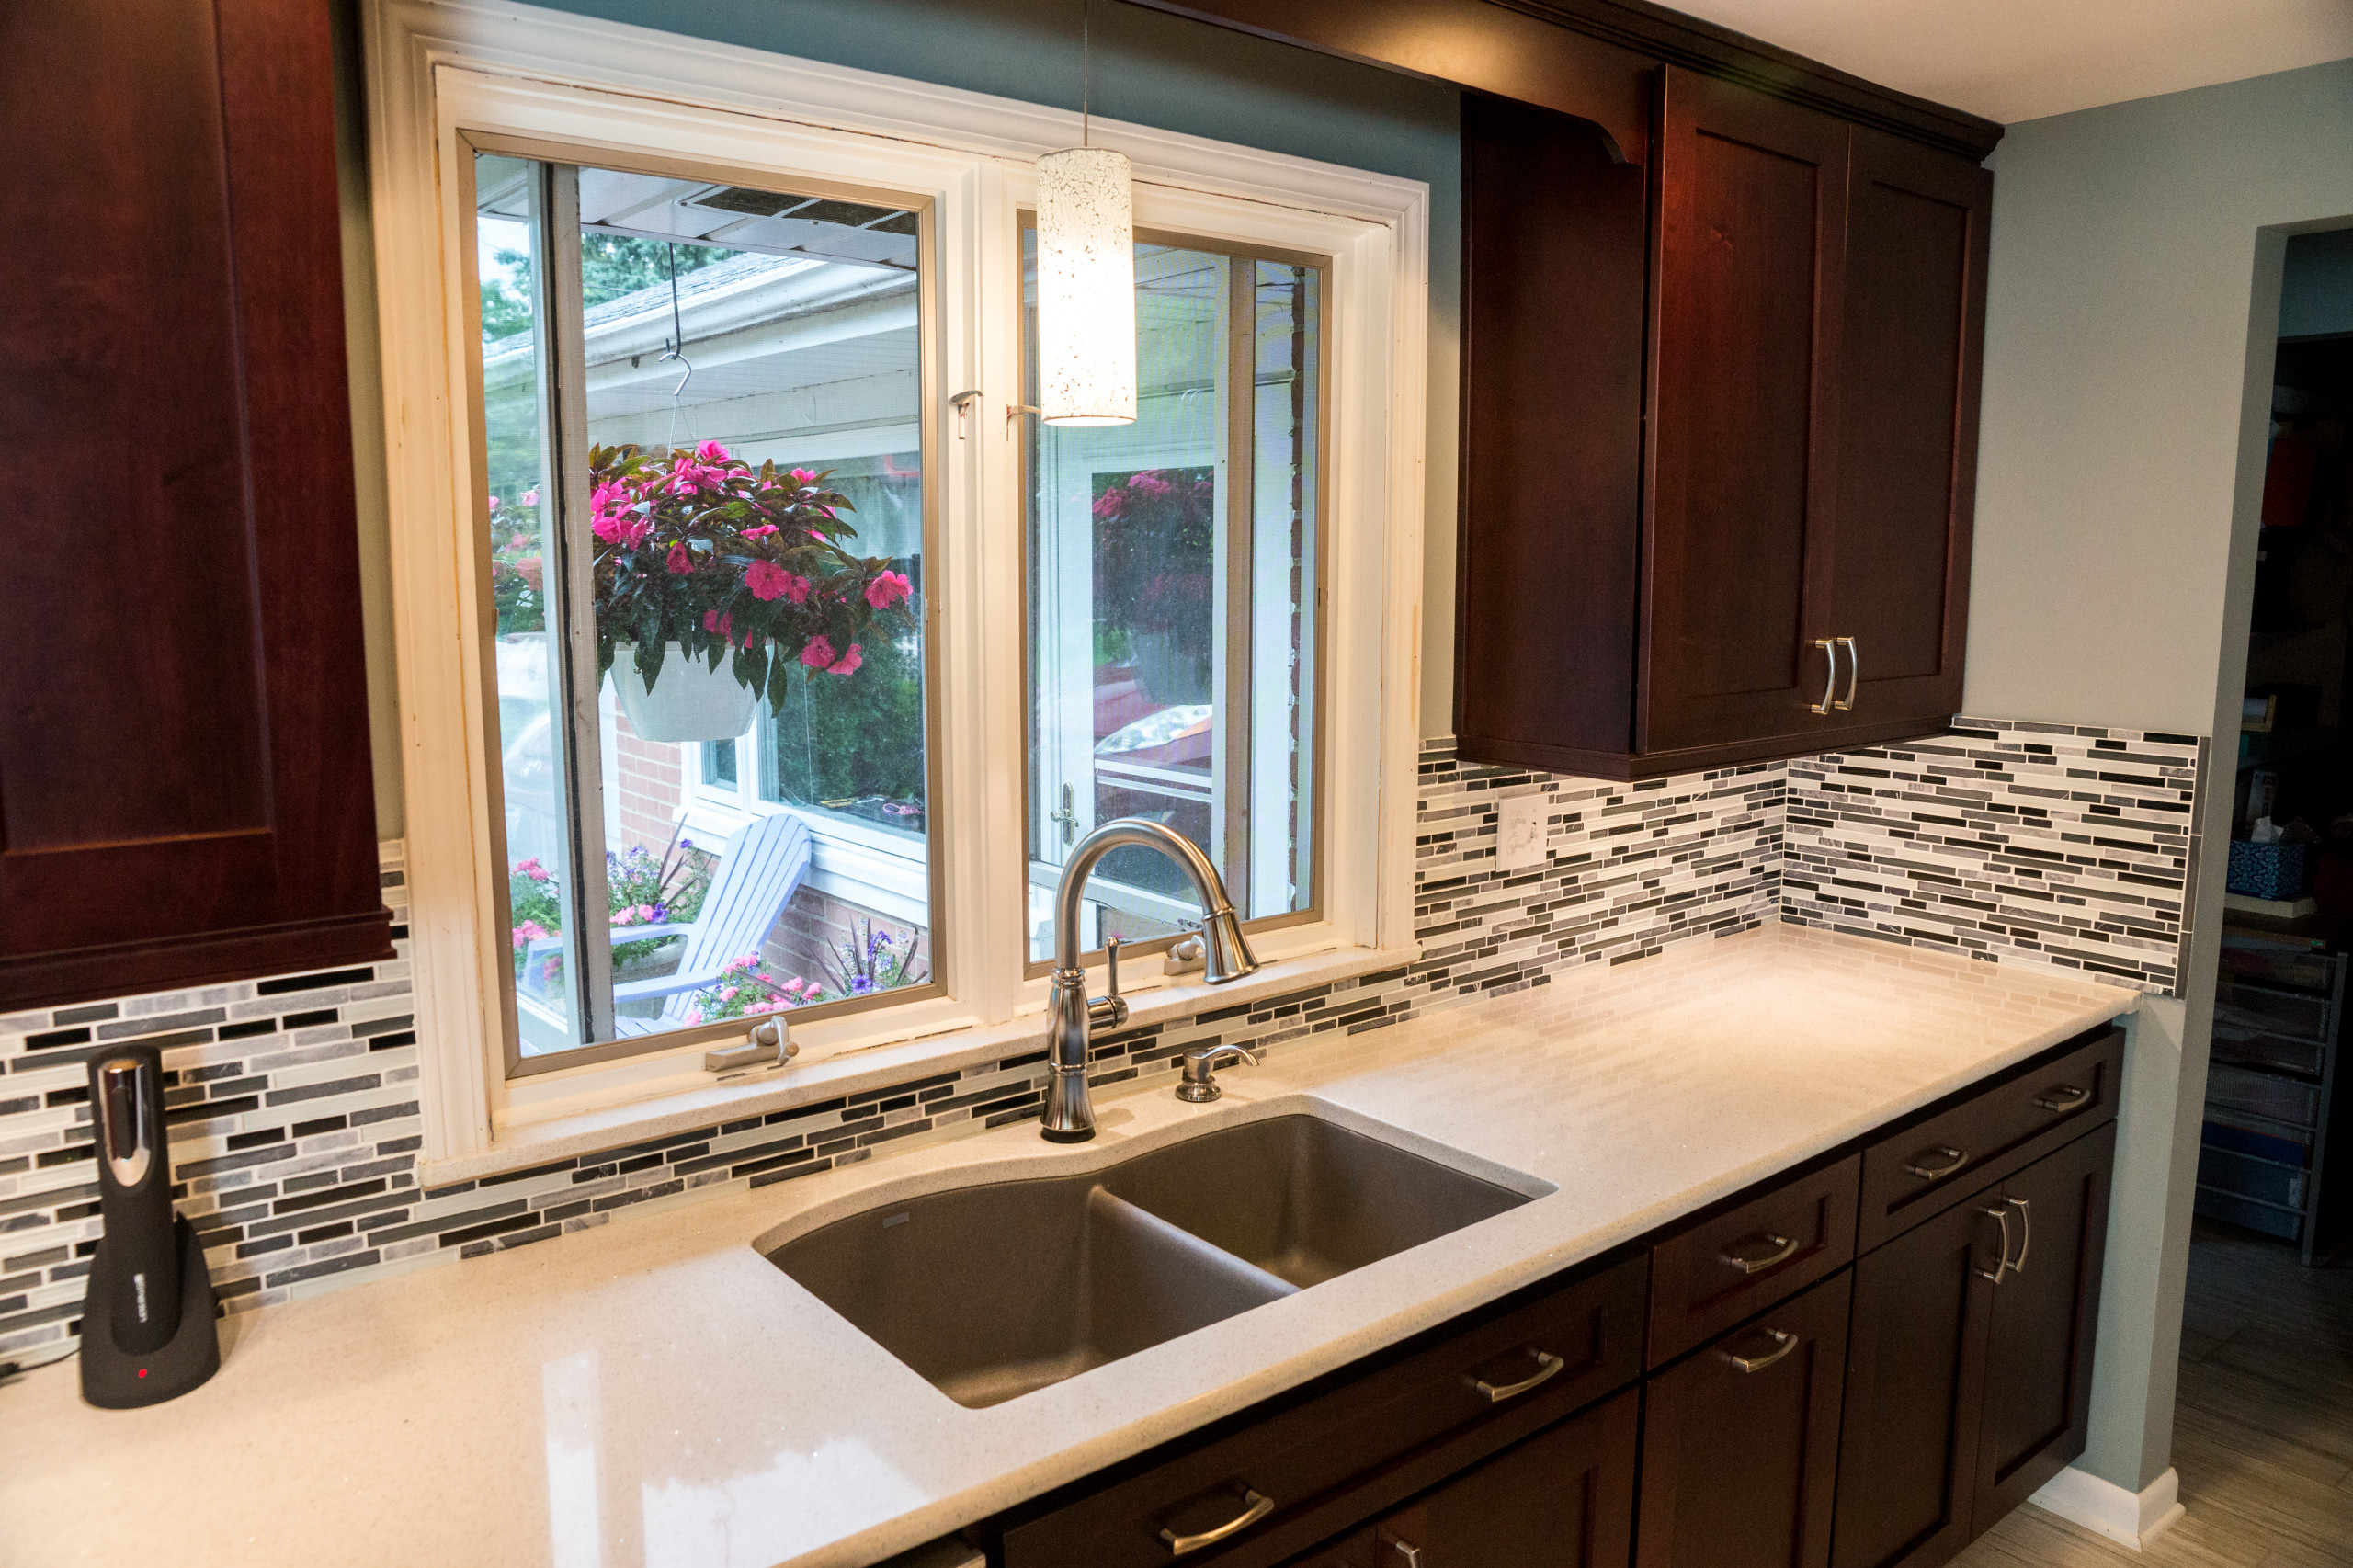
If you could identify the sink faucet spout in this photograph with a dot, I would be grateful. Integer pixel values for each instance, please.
(1072, 1018)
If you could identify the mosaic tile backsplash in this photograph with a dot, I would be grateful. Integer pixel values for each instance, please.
(292, 1099)
(2070, 845)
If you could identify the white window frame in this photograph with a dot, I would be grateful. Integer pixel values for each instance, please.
(439, 67)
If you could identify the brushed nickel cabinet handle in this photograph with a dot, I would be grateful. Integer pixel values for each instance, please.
(1854, 674)
(1830, 681)
(2067, 1097)
(1546, 1367)
(2026, 1219)
(2002, 1217)
(1777, 1249)
(1954, 1159)
(1409, 1555)
(1259, 1507)
(1783, 1345)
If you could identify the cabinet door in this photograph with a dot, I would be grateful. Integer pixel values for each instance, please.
(1915, 1359)
(1914, 321)
(184, 782)
(1751, 195)
(2039, 1352)
(1563, 1499)
(1740, 1442)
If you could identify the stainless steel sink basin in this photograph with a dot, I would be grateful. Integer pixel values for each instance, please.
(992, 1291)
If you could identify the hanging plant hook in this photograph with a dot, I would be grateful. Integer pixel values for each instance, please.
(675, 348)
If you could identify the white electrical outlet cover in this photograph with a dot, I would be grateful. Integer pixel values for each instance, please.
(1520, 834)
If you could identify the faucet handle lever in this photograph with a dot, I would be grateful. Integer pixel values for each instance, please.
(1111, 1010)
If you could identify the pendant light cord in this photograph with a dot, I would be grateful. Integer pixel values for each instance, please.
(1086, 70)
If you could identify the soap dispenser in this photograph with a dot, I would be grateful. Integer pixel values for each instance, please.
(147, 1329)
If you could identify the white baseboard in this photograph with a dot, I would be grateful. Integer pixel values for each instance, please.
(2133, 1519)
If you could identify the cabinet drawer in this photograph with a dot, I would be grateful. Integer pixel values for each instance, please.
(1912, 1175)
(1335, 1458)
(1764, 1250)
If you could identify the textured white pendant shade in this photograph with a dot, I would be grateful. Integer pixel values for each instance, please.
(1086, 288)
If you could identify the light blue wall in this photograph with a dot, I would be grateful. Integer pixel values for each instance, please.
(2316, 291)
(2132, 310)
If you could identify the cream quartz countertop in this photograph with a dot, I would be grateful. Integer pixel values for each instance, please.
(653, 1392)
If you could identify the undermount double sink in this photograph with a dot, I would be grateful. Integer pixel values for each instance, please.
(993, 1291)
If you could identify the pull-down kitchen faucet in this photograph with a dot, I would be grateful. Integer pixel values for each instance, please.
(1070, 1114)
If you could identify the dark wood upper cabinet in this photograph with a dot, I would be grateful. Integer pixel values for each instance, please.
(1907, 430)
(1659, 579)
(184, 787)
(1750, 252)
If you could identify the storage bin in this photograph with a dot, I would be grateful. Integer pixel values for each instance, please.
(2267, 870)
(2251, 1091)
(2259, 1179)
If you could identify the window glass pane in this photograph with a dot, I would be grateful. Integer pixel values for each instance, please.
(1171, 594)
(724, 411)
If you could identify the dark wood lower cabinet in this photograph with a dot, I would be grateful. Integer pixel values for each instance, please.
(1740, 1442)
(1969, 1365)
(1563, 1499)
(2039, 1344)
(1916, 1367)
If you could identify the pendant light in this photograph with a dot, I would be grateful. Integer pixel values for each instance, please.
(1087, 276)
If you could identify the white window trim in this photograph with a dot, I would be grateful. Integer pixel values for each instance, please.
(437, 66)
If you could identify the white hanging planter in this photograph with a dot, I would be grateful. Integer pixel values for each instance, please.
(690, 701)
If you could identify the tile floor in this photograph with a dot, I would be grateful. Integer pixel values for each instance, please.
(2263, 1432)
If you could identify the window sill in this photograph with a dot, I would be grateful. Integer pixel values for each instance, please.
(687, 1099)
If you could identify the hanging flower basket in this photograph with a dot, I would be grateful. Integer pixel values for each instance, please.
(688, 700)
(710, 572)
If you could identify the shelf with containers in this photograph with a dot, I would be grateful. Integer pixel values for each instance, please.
(2272, 1090)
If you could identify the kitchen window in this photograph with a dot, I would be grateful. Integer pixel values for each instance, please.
(1173, 584)
(701, 405)
(640, 304)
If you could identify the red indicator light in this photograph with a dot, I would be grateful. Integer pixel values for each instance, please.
(143, 1372)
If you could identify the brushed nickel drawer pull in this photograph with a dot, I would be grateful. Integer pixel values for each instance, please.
(2025, 1219)
(1410, 1555)
(1830, 683)
(2002, 1217)
(1784, 1344)
(1954, 1159)
(2067, 1097)
(1181, 1545)
(1778, 1249)
(1546, 1367)
(1854, 674)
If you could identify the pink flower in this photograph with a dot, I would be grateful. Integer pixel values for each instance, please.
(679, 561)
(768, 581)
(805, 475)
(1110, 504)
(711, 452)
(530, 497)
(718, 624)
(694, 1015)
(761, 532)
(819, 654)
(532, 869)
(1150, 485)
(493, 503)
(528, 932)
(530, 567)
(848, 663)
(888, 589)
